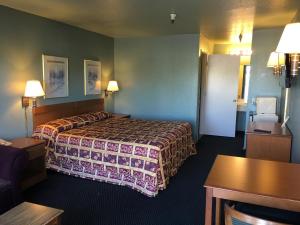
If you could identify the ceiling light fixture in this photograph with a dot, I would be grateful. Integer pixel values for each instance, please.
(240, 51)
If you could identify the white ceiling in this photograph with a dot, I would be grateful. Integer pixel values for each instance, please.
(220, 20)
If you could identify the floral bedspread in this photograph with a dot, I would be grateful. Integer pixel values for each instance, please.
(140, 154)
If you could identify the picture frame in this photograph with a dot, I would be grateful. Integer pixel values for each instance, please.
(55, 76)
(92, 77)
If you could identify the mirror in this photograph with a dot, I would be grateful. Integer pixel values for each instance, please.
(243, 87)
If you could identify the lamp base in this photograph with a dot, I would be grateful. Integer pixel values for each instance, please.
(34, 105)
(295, 58)
(277, 70)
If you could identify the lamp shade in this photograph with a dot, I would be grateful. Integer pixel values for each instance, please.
(34, 89)
(112, 86)
(290, 39)
(276, 59)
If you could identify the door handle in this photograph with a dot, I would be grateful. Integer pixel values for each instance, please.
(234, 100)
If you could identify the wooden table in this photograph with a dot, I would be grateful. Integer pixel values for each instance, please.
(31, 214)
(261, 182)
(275, 145)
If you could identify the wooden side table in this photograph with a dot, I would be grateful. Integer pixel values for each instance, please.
(36, 170)
(29, 213)
(275, 145)
(119, 116)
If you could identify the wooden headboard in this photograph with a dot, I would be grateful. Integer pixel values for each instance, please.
(46, 113)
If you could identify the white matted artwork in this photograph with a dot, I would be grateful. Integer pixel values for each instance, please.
(92, 77)
(55, 74)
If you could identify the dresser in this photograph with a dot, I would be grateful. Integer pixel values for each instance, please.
(275, 145)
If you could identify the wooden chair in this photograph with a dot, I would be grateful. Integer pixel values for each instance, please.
(234, 217)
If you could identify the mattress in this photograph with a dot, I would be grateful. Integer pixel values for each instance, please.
(140, 154)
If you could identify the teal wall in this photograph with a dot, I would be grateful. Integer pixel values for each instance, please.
(158, 77)
(294, 122)
(23, 40)
(262, 80)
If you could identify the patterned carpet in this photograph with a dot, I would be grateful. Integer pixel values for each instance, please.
(88, 202)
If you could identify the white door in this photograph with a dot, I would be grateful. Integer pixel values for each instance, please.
(219, 96)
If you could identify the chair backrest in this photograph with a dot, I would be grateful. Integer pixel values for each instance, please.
(234, 217)
(13, 161)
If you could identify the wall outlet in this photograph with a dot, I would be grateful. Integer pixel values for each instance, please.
(253, 101)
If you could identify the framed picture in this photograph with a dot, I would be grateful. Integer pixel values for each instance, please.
(92, 77)
(55, 75)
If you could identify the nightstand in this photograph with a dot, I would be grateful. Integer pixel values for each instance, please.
(119, 116)
(275, 145)
(36, 170)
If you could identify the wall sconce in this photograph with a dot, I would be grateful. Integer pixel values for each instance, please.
(33, 90)
(111, 87)
(276, 61)
(289, 43)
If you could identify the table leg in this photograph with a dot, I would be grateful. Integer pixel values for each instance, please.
(208, 206)
(56, 221)
(59, 220)
(218, 211)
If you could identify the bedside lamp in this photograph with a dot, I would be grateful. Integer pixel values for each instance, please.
(289, 43)
(33, 90)
(111, 87)
(276, 61)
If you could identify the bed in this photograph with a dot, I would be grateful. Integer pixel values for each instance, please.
(89, 143)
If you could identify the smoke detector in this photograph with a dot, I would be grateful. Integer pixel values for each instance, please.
(172, 17)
